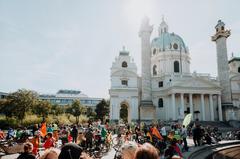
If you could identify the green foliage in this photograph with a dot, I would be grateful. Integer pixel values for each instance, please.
(42, 108)
(102, 109)
(31, 119)
(76, 110)
(57, 110)
(18, 103)
(90, 113)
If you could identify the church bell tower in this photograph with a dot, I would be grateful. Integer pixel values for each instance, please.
(220, 37)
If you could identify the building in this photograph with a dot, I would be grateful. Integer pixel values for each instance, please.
(66, 97)
(167, 90)
(3, 95)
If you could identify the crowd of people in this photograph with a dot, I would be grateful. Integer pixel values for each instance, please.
(138, 141)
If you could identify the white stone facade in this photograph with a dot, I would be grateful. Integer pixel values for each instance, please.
(168, 83)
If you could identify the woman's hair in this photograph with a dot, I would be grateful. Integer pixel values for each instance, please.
(146, 151)
(50, 151)
(28, 147)
(129, 149)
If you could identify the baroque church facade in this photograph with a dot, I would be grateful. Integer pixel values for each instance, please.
(167, 90)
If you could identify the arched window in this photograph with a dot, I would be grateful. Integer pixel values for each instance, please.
(154, 51)
(176, 66)
(124, 64)
(154, 70)
(160, 102)
(222, 27)
(238, 69)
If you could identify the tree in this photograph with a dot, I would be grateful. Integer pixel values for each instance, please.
(57, 109)
(20, 102)
(42, 108)
(77, 109)
(90, 112)
(102, 109)
(6, 108)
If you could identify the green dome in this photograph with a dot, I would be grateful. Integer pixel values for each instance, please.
(167, 42)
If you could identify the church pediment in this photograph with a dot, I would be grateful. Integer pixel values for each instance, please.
(124, 73)
(196, 82)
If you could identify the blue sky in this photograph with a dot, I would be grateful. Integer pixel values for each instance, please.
(61, 44)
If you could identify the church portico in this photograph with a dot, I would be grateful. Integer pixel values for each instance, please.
(204, 106)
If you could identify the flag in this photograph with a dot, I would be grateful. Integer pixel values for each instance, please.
(44, 129)
(156, 133)
(187, 120)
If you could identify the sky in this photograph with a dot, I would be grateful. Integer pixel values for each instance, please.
(60, 44)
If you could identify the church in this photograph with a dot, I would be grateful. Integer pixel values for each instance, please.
(166, 89)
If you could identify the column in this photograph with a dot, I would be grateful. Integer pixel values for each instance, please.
(191, 104)
(203, 107)
(220, 108)
(182, 107)
(173, 107)
(211, 107)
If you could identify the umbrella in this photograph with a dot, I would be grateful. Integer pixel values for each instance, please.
(187, 120)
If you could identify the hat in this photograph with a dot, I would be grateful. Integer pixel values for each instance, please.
(70, 151)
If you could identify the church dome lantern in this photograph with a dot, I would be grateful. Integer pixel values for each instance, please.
(168, 41)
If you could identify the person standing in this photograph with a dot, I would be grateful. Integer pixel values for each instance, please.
(197, 135)
(74, 134)
(184, 137)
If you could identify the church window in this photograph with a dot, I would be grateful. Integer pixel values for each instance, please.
(124, 82)
(175, 46)
(154, 70)
(154, 51)
(124, 64)
(238, 69)
(222, 27)
(165, 30)
(216, 29)
(160, 102)
(176, 66)
(160, 84)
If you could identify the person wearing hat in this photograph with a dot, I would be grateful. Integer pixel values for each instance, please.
(70, 151)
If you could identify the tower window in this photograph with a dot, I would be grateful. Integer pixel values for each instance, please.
(154, 51)
(124, 82)
(175, 46)
(160, 102)
(176, 66)
(124, 64)
(154, 70)
(238, 69)
(160, 84)
(222, 28)
(216, 29)
(165, 30)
